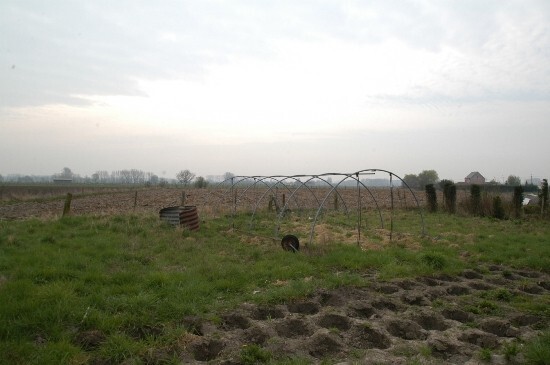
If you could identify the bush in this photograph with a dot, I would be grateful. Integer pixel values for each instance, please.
(449, 193)
(475, 199)
(498, 208)
(431, 196)
(543, 197)
(518, 201)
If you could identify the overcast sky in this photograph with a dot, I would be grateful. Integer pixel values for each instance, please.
(275, 87)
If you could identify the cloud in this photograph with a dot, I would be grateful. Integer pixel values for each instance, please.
(63, 52)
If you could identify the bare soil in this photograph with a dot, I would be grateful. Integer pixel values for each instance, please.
(428, 320)
(17, 202)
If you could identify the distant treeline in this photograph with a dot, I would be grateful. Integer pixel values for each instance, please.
(500, 188)
(125, 177)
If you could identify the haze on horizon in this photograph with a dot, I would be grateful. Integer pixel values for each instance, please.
(265, 88)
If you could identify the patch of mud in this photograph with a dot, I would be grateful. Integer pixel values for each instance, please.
(207, 349)
(309, 307)
(439, 319)
(90, 340)
(337, 321)
(293, 327)
(324, 344)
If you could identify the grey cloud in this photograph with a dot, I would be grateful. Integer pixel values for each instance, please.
(53, 54)
(64, 49)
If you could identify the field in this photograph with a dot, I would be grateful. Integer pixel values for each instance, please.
(110, 283)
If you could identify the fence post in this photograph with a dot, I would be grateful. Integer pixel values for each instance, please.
(67, 206)
(135, 200)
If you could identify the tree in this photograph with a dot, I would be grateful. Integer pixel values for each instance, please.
(513, 180)
(154, 179)
(67, 173)
(412, 181)
(185, 177)
(427, 177)
(444, 182)
(228, 175)
(200, 182)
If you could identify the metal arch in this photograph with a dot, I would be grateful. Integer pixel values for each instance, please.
(322, 204)
(359, 182)
(280, 179)
(363, 185)
(412, 193)
(373, 198)
(332, 186)
(274, 177)
(257, 179)
(346, 177)
(281, 214)
(224, 183)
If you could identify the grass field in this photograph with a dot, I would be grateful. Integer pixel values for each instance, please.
(131, 279)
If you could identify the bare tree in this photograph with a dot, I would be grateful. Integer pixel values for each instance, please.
(185, 177)
(228, 175)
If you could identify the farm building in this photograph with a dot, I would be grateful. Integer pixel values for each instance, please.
(474, 178)
(61, 181)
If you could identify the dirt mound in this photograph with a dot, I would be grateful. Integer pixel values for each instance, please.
(388, 323)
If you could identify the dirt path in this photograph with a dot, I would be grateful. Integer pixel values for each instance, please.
(430, 320)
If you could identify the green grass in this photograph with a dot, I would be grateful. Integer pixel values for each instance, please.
(537, 352)
(133, 278)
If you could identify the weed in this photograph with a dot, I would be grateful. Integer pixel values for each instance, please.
(438, 303)
(291, 361)
(487, 307)
(357, 353)
(254, 354)
(425, 351)
(500, 294)
(485, 355)
(537, 352)
(510, 350)
(434, 260)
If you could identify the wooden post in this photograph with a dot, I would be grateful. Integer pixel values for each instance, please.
(182, 198)
(67, 207)
(270, 204)
(135, 200)
(284, 200)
